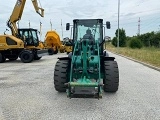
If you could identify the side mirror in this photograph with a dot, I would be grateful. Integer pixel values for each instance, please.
(67, 26)
(108, 25)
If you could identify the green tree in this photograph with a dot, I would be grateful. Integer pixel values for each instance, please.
(156, 40)
(135, 43)
(122, 38)
(147, 39)
(114, 41)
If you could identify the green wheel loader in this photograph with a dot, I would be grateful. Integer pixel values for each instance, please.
(87, 71)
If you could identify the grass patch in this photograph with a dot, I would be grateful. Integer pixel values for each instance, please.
(147, 55)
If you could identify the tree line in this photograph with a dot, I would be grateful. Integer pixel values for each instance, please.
(150, 39)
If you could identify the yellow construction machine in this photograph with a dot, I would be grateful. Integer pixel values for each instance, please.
(67, 44)
(52, 43)
(23, 43)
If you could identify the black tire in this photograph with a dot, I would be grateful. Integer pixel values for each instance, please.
(61, 51)
(55, 52)
(111, 76)
(26, 57)
(2, 58)
(50, 51)
(61, 73)
(13, 57)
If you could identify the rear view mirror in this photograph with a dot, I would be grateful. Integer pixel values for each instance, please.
(67, 26)
(108, 25)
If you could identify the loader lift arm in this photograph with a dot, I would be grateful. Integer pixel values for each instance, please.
(17, 14)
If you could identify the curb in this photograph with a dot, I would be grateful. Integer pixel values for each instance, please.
(148, 65)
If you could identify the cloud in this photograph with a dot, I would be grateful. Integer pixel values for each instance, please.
(67, 10)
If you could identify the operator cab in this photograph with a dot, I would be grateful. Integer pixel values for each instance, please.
(88, 29)
(31, 37)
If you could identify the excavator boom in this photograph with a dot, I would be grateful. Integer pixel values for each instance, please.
(17, 14)
(39, 10)
(24, 42)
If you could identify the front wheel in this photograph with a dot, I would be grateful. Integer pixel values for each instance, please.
(26, 57)
(111, 76)
(50, 51)
(56, 51)
(61, 73)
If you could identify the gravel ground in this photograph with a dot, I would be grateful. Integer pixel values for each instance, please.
(27, 93)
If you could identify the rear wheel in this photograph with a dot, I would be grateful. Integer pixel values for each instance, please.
(2, 58)
(61, 73)
(62, 51)
(26, 56)
(111, 77)
(50, 51)
(56, 51)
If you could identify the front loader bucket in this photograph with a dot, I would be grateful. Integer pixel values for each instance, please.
(84, 92)
(84, 88)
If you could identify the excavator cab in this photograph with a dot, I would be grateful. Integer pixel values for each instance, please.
(23, 43)
(29, 36)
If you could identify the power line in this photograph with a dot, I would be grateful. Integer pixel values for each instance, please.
(151, 22)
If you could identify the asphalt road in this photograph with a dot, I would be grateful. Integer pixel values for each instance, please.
(27, 93)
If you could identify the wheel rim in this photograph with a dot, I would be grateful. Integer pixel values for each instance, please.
(26, 56)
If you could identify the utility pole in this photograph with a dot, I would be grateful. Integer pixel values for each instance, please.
(29, 24)
(139, 26)
(118, 23)
(62, 28)
(158, 32)
(40, 31)
(51, 25)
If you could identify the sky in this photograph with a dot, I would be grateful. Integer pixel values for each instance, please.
(55, 11)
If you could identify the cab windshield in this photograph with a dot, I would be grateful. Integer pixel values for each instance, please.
(31, 37)
(88, 29)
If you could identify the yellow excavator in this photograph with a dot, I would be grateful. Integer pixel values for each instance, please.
(24, 42)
